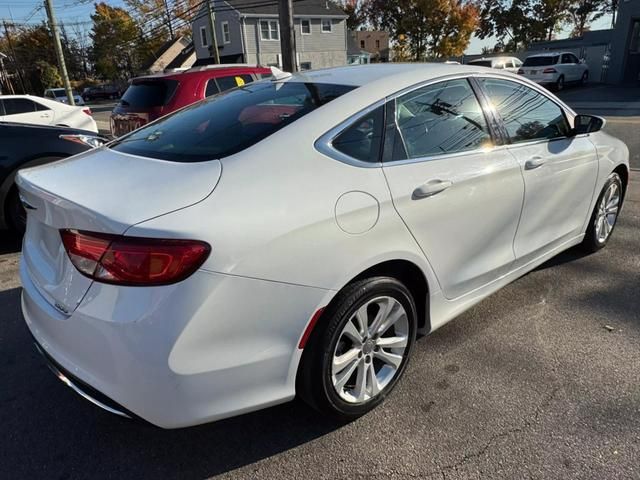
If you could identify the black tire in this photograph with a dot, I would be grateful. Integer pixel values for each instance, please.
(591, 242)
(559, 84)
(16, 214)
(314, 383)
(585, 78)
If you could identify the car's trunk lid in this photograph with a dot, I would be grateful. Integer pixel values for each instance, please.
(100, 191)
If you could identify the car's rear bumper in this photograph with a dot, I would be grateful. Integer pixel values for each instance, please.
(207, 348)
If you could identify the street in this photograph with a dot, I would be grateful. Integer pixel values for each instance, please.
(540, 380)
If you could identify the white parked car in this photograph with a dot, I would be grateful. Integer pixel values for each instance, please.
(41, 111)
(510, 64)
(555, 69)
(60, 95)
(293, 236)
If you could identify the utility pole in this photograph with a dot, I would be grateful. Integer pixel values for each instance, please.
(166, 9)
(58, 47)
(213, 47)
(287, 36)
(15, 59)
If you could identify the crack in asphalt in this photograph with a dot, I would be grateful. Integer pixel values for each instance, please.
(442, 471)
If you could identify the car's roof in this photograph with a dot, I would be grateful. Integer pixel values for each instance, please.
(497, 57)
(359, 75)
(205, 69)
(548, 54)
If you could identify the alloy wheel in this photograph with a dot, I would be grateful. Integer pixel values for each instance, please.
(607, 212)
(370, 350)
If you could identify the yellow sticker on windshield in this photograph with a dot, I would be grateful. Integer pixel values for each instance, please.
(239, 81)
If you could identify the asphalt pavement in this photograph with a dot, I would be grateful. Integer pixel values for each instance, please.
(539, 381)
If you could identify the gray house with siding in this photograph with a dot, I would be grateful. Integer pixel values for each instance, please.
(247, 32)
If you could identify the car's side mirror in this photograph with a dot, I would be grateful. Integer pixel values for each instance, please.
(587, 124)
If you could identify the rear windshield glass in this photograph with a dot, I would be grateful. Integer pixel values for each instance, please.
(149, 93)
(481, 63)
(61, 92)
(229, 122)
(541, 61)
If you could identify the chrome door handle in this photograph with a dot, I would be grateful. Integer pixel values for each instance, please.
(534, 162)
(430, 188)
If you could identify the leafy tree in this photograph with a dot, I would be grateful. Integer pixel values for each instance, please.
(517, 23)
(48, 75)
(432, 28)
(114, 35)
(356, 16)
(584, 12)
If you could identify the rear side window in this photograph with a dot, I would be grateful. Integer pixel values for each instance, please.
(527, 114)
(233, 81)
(362, 140)
(440, 118)
(228, 123)
(212, 88)
(149, 93)
(14, 106)
(481, 63)
(541, 61)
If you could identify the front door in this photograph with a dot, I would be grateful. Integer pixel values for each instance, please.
(459, 196)
(559, 171)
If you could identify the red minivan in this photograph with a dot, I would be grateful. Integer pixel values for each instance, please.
(153, 96)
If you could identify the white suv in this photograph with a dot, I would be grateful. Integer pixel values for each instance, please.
(555, 69)
(510, 64)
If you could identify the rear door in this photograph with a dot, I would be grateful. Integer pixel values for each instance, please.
(24, 110)
(559, 171)
(459, 195)
(569, 67)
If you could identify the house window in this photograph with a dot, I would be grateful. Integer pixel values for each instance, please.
(305, 65)
(326, 25)
(203, 37)
(226, 36)
(361, 43)
(305, 27)
(269, 30)
(378, 44)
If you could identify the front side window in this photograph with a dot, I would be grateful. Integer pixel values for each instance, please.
(326, 25)
(226, 35)
(305, 27)
(441, 118)
(15, 106)
(269, 30)
(527, 114)
(228, 123)
(362, 140)
(566, 58)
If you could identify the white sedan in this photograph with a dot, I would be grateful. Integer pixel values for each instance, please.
(42, 111)
(555, 69)
(292, 236)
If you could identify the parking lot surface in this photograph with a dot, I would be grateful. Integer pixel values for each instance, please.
(538, 381)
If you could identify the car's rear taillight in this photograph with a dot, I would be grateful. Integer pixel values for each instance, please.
(87, 111)
(134, 261)
(520, 71)
(549, 70)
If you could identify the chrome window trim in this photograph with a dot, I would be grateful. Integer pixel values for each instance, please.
(324, 144)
